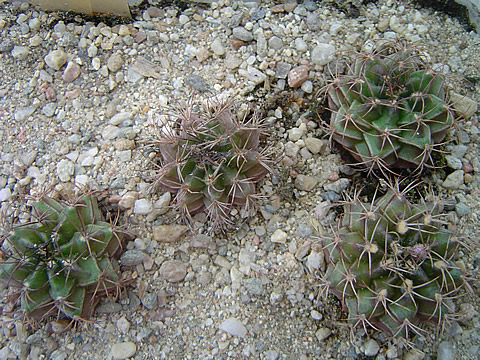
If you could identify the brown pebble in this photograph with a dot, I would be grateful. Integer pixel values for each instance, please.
(73, 94)
(124, 144)
(333, 176)
(297, 76)
(140, 37)
(279, 8)
(168, 233)
(72, 71)
(155, 12)
(173, 270)
(290, 6)
(467, 168)
(237, 44)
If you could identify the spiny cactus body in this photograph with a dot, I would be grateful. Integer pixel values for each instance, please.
(212, 158)
(392, 264)
(390, 111)
(63, 260)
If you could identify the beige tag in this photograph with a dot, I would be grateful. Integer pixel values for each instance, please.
(114, 7)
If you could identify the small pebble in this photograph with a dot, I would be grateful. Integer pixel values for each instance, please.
(173, 270)
(234, 327)
(56, 59)
(123, 350)
(279, 236)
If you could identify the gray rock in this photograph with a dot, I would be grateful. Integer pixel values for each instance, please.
(58, 355)
(300, 45)
(6, 46)
(323, 333)
(241, 33)
(123, 350)
(150, 301)
(56, 59)
(65, 170)
(119, 118)
(110, 132)
(108, 307)
(234, 327)
(23, 114)
(115, 62)
(291, 149)
(20, 52)
(305, 182)
(197, 82)
(313, 22)
(275, 43)
(257, 14)
(132, 257)
(453, 162)
(34, 24)
(217, 47)
(464, 105)
(314, 145)
(134, 76)
(279, 236)
(5, 194)
(300, 10)
(338, 186)
(142, 207)
(459, 151)
(253, 286)
(371, 347)
(173, 270)
(262, 46)
(123, 325)
(322, 54)
(49, 109)
(282, 69)
(315, 261)
(462, 209)
(310, 5)
(445, 351)
(453, 180)
(253, 74)
(303, 231)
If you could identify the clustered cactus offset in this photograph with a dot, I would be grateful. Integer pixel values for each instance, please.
(390, 111)
(212, 158)
(392, 264)
(63, 261)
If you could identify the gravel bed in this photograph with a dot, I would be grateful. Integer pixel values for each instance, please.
(79, 101)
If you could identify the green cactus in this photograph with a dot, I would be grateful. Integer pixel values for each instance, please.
(392, 264)
(390, 111)
(63, 261)
(211, 158)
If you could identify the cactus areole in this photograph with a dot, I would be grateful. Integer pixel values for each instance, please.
(211, 158)
(62, 262)
(392, 265)
(389, 111)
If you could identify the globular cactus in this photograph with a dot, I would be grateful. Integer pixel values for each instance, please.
(211, 157)
(63, 261)
(390, 111)
(392, 264)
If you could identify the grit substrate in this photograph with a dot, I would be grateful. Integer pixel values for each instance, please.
(85, 115)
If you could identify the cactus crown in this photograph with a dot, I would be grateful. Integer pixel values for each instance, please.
(62, 261)
(392, 264)
(211, 158)
(390, 111)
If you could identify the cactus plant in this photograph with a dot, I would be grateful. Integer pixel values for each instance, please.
(63, 261)
(390, 111)
(211, 157)
(392, 264)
